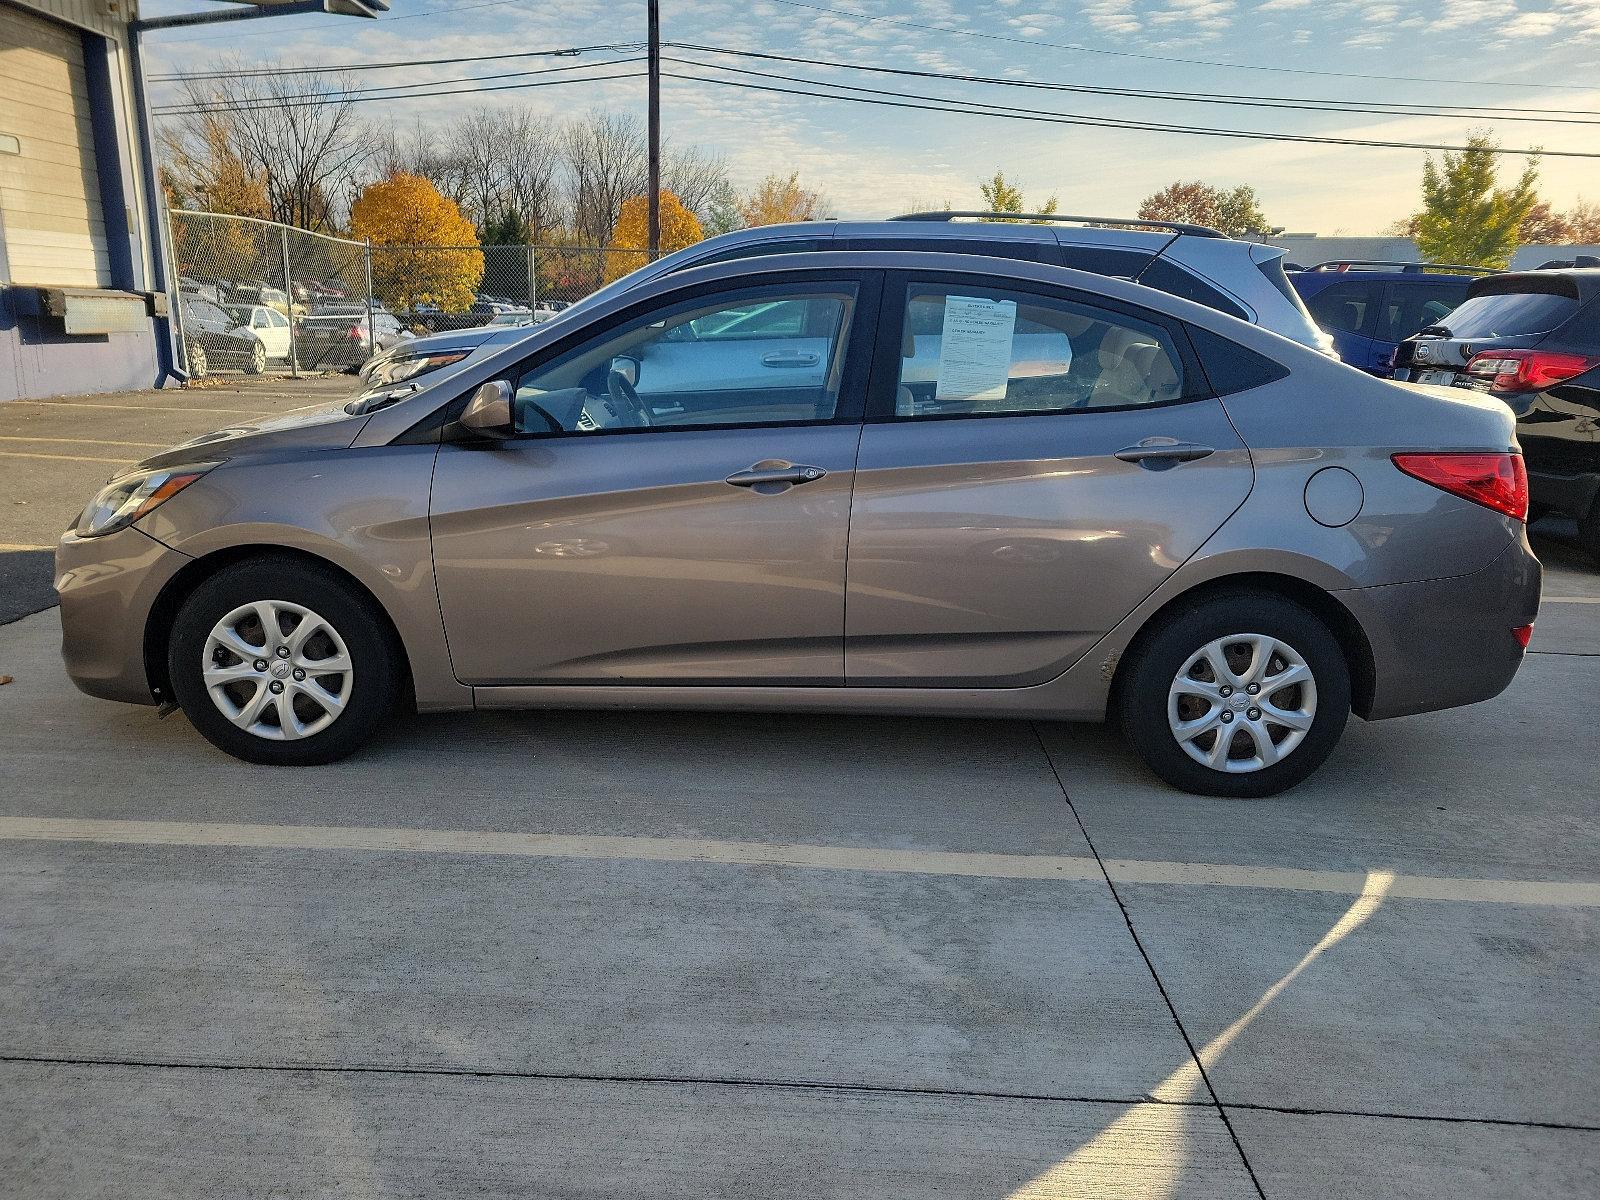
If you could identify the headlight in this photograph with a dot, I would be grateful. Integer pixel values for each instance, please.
(407, 366)
(128, 497)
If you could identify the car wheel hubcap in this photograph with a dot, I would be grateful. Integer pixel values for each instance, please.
(277, 670)
(1242, 703)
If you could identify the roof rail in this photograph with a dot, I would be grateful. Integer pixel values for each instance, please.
(1044, 218)
(1344, 264)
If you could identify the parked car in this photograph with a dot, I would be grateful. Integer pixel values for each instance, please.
(1532, 340)
(337, 336)
(215, 337)
(1370, 307)
(1243, 279)
(741, 486)
(267, 324)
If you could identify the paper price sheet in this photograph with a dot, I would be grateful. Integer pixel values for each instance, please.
(975, 348)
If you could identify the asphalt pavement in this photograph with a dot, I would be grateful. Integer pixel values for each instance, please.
(646, 954)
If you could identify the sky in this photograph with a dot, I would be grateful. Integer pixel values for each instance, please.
(872, 162)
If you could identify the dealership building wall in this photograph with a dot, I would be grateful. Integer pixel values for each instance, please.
(78, 302)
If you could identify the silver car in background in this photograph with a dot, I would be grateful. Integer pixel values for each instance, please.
(916, 483)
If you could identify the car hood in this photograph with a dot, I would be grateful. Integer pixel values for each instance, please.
(466, 339)
(324, 427)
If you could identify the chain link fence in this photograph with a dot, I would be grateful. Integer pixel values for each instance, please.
(257, 296)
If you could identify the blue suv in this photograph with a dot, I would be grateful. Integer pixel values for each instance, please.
(1370, 306)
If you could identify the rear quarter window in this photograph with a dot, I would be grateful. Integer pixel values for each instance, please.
(1346, 307)
(1230, 367)
(1175, 281)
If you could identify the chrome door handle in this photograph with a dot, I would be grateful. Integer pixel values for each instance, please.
(1164, 452)
(775, 476)
(779, 359)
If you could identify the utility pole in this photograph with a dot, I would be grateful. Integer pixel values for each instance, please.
(655, 128)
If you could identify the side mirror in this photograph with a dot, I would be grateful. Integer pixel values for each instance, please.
(628, 368)
(488, 413)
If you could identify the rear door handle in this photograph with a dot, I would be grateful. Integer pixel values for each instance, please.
(1164, 452)
(775, 477)
(778, 358)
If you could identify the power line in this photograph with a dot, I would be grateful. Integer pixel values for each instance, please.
(882, 98)
(1290, 103)
(1197, 62)
(1485, 112)
(266, 72)
(175, 111)
(329, 97)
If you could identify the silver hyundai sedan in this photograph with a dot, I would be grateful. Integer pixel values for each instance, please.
(869, 482)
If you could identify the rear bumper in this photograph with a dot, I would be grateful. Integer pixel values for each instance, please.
(1441, 643)
(108, 586)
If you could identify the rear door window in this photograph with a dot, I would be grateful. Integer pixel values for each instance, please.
(1347, 307)
(1412, 307)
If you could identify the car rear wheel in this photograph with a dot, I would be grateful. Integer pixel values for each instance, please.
(282, 662)
(1589, 531)
(257, 361)
(1244, 695)
(195, 355)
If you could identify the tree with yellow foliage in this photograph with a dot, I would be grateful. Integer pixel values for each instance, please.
(777, 201)
(679, 228)
(424, 250)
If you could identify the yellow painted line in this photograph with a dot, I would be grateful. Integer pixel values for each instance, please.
(7, 547)
(1076, 868)
(62, 457)
(87, 442)
(1569, 600)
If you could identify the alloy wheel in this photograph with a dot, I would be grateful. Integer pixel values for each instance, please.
(1242, 703)
(277, 670)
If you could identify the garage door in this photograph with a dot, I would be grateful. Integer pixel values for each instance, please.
(54, 231)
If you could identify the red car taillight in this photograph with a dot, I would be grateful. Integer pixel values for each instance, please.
(357, 333)
(1528, 370)
(1497, 481)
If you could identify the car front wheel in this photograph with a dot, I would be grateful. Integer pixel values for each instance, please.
(196, 355)
(1244, 695)
(280, 661)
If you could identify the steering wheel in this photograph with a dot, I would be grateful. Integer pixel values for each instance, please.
(626, 398)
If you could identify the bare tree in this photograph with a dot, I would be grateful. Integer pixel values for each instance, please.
(297, 132)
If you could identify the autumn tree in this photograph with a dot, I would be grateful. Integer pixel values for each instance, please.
(1002, 196)
(1466, 217)
(1543, 224)
(205, 173)
(1583, 223)
(779, 199)
(679, 228)
(1234, 211)
(429, 249)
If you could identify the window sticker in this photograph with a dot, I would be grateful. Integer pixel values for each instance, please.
(975, 348)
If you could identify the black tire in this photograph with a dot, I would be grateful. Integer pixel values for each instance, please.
(195, 358)
(1589, 532)
(256, 363)
(1147, 676)
(376, 679)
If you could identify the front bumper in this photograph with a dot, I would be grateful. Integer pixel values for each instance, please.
(1441, 643)
(108, 585)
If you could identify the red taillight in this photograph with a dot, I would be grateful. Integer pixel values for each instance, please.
(357, 333)
(1497, 481)
(1523, 634)
(1528, 370)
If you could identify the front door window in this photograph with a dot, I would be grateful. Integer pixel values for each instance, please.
(772, 357)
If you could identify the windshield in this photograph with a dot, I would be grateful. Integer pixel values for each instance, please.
(1509, 314)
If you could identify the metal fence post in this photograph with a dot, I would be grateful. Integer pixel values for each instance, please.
(532, 287)
(175, 293)
(288, 295)
(372, 334)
